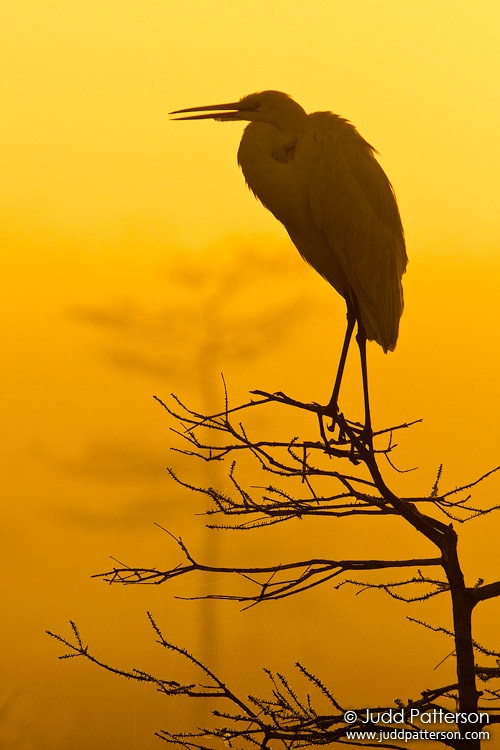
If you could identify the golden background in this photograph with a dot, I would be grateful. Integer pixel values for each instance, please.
(136, 262)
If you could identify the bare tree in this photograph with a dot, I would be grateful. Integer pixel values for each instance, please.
(336, 476)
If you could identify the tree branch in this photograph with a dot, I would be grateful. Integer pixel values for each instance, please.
(272, 581)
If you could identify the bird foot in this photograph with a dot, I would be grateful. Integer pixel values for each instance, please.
(332, 411)
(356, 435)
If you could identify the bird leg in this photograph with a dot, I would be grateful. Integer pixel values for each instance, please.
(366, 433)
(331, 409)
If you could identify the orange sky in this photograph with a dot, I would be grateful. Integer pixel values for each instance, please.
(122, 232)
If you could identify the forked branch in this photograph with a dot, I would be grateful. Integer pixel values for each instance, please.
(270, 582)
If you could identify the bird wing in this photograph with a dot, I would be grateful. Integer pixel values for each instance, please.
(353, 205)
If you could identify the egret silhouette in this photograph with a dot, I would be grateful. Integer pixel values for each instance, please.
(321, 179)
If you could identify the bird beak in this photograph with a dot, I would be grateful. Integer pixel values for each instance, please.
(232, 112)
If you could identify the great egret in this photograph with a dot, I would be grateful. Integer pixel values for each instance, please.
(320, 178)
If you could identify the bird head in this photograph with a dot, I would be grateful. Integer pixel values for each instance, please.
(273, 107)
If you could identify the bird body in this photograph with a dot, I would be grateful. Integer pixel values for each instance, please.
(321, 180)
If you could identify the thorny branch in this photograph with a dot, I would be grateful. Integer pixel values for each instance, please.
(310, 480)
(307, 467)
(272, 582)
(316, 718)
(305, 460)
(307, 464)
